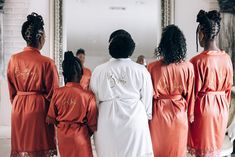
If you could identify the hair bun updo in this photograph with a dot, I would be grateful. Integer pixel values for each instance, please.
(34, 18)
(71, 65)
(209, 23)
(214, 15)
(68, 56)
(202, 16)
(32, 29)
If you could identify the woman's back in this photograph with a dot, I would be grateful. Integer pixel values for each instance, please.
(213, 71)
(30, 71)
(119, 78)
(171, 79)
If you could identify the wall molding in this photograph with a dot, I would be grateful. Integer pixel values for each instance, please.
(57, 50)
(168, 12)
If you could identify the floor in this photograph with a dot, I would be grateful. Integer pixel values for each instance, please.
(5, 142)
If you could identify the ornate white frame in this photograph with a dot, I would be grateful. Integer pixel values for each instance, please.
(56, 33)
(168, 12)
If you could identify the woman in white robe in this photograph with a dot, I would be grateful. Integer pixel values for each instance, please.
(124, 93)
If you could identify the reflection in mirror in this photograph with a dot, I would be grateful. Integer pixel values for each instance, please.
(88, 25)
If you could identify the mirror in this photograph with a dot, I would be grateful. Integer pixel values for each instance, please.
(88, 24)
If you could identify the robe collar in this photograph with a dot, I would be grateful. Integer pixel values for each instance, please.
(214, 52)
(28, 48)
(73, 84)
(120, 59)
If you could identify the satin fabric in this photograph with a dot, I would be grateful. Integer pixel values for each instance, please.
(31, 80)
(213, 82)
(85, 81)
(74, 112)
(173, 100)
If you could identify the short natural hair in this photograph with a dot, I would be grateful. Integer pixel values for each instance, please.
(119, 32)
(121, 46)
(80, 51)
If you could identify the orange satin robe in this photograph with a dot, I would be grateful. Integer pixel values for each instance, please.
(31, 80)
(213, 82)
(173, 100)
(85, 81)
(74, 111)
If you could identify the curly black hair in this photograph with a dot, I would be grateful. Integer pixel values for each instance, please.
(209, 23)
(33, 29)
(172, 46)
(121, 46)
(71, 66)
(119, 32)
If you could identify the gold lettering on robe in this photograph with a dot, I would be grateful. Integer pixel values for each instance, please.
(114, 80)
(164, 85)
(25, 73)
(69, 102)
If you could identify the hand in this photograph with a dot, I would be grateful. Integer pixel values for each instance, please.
(231, 130)
(191, 119)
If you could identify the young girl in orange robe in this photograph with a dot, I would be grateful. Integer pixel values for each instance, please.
(213, 82)
(31, 80)
(73, 110)
(173, 102)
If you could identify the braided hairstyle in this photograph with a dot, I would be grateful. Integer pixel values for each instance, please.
(209, 24)
(71, 66)
(32, 29)
(172, 46)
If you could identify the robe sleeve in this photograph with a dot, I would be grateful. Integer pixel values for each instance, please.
(51, 80)
(92, 114)
(52, 112)
(230, 77)
(93, 86)
(146, 93)
(228, 95)
(190, 96)
(11, 87)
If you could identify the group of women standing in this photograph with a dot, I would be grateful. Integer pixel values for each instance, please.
(159, 111)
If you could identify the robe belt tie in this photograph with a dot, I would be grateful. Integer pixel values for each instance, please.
(68, 123)
(160, 97)
(118, 98)
(211, 92)
(27, 93)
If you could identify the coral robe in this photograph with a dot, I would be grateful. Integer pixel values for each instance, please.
(213, 82)
(173, 101)
(74, 111)
(31, 80)
(85, 81)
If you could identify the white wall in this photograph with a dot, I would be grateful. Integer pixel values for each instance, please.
(15, 13)
(185, 17)
(42, 7)
(90, 23)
